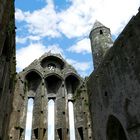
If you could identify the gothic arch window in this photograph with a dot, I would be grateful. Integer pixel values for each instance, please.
(33, 80)
(53, 84)
(52, 62)
(33, 87)
(115, 129)
(72, 83)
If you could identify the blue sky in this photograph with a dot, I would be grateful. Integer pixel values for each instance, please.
(63, 26)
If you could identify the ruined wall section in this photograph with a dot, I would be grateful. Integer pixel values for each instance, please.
(48, 78)
(7, 64)
(82, 114)
(114, 88)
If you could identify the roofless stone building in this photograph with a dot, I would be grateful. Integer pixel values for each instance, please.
(114, 85)
(50, 78)
(42, 99)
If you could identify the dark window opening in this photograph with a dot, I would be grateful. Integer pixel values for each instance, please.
(59, 131)
(72, 83)
(115, 130)
(105, 93)
(53, 84)
(36, 133)
(101, 32)
(21, 131)
(80, 130)
(33, 81)
(44, 131)
(67, 130)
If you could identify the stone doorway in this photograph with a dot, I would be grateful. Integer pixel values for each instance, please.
(115, 130)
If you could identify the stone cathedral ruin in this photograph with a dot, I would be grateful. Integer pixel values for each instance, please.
(106, 105)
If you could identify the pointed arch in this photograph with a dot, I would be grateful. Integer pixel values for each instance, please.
(33, 70)
(53, 83)
(52, 61)
(33, 79)
(115, 130)
(72, 82)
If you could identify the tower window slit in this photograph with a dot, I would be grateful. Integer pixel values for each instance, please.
(80, 130)
(71, 121)
(101, 32)
(28, 129)
(51, 120)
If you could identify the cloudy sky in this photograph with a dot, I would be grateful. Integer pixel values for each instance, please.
(63, 26)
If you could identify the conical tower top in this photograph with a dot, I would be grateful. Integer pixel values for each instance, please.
(97, 24)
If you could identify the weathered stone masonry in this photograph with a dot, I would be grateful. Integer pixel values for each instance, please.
(114, 88)
(7, 64)
(50, 77)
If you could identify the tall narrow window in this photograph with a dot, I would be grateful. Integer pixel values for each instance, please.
(28, 129)
(71, 121)
(51, 121)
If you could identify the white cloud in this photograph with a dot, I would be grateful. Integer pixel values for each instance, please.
(28, 54)
(23, 40)
(74, 22)
(82, 46)
(41, 22)
(81, 67)
(77, 20)
(19, 15)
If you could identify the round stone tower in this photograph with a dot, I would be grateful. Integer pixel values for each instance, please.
(101, 41)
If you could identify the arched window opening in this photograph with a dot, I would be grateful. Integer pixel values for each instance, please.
(53, 83)
(71, 121)
(52, 60)
(33, 81)
(29, 116)
(51, 120)
(72, 83)
(101, 32)
(115, 130)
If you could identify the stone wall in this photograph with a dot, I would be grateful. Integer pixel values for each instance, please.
(7, 64)
(50, 78)
(114, 88)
